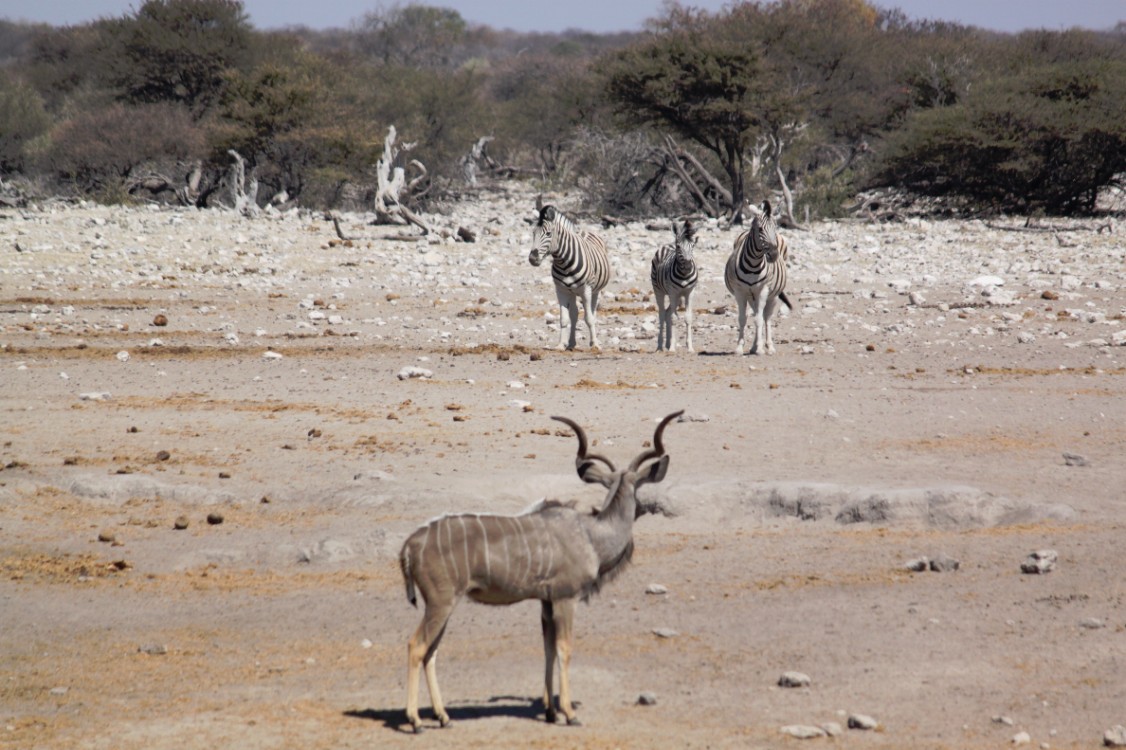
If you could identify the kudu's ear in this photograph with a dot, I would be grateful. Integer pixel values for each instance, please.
(592, 473)
(655, 472)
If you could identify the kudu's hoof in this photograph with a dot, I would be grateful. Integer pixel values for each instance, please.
(574, 722)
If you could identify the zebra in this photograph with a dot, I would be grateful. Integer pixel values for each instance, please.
(580, 266)
(756, 273)
(674, 276)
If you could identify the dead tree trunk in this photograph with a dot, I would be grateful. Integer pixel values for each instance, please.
(391, 183)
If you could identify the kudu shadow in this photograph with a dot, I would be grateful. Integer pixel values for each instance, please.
(512, 706)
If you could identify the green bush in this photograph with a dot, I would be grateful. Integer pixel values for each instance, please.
(22, 119)
(1049, 139)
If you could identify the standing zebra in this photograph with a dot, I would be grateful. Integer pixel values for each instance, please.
(674, 277)
(580, 266)
(756, 273)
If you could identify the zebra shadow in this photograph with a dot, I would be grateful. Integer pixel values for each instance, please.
(501, 705)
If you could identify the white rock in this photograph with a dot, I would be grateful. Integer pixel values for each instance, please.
(408, 373)
(271, 355)
(94, 396)
(123, 356)
(803, 731)
(987, 281)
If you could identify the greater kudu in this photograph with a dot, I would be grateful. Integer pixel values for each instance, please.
(552, 552)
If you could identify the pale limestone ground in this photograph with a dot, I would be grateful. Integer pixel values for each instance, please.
(286, 625)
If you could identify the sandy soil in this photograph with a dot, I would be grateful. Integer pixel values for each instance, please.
(886, 428)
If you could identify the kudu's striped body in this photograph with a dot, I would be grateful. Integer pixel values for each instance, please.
(552, 552)
(756, 274)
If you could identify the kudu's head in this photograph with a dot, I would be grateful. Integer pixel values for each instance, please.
(648, 467)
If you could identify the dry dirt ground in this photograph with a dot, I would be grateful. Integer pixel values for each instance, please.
(884, 429)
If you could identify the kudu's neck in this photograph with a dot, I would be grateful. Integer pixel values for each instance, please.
(611, 530)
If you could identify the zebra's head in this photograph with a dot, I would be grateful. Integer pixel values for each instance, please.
(764, 232)
(542, 235)
(685, 239)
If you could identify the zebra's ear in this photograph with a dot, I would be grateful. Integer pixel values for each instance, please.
(689, 231)
(766, 208)
(539, 203)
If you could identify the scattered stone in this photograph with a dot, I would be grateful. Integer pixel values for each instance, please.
(181, 523)
(944, 564)
(1115, 736)
(153, 649)
(214, 518)
(1092, 623)
(1039, 562)
(833, 729)
(794, 680)
(803, 731)
(665, 633)
(410, 372)
(1074, 459)
(163, 455)
(106, 537)
(94, 396)
(57, 691)
(915, 299)
(647, 699)
(123, 356)
(1021, 738)
(160, 320)
(1003, 720)
(1049, 294)
(693, 418)
(918, 565)
(862, 721)
(656, 588)
(272, 356)
(1026, 337)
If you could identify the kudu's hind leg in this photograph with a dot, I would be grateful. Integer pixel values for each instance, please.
(421, 652)
(564, 617)
(547, 620)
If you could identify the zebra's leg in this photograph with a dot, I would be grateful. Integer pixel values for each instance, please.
(568, 343)
(759, 301)
(590, 307)
(688, 317)
(670, 319)
(566, 311)
(659, 296)
(741, 306)
(767, 315)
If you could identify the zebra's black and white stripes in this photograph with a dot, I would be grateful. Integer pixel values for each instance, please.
(674, 276)
(580, 267)
(756, 274)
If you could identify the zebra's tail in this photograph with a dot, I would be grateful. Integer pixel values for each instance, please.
(786, 300)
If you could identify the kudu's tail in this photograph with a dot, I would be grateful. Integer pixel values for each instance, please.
(408, 578)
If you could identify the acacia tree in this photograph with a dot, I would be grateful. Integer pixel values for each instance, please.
(700, 84)
(179, 50)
